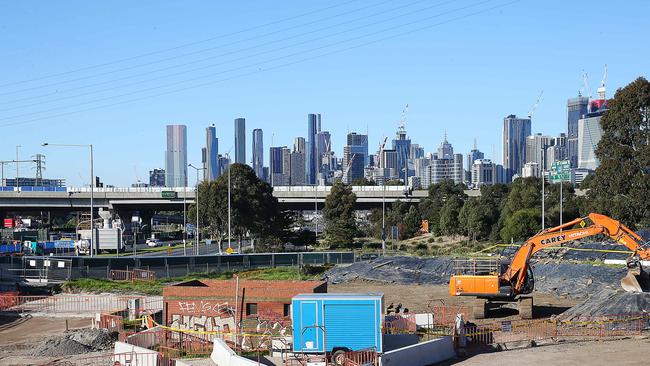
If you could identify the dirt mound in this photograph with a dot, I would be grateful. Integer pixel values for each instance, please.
(609, 302)
(74, 343)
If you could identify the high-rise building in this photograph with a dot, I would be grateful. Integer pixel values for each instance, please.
(176, 156)
(445, 150)
(557, 151)
(258, 153)
(299, 145)
(473, 155)
(515, 131)
(483, 173)
(224, 164)
(589, 134)
(297, 169)
(576, 108)
(286, 166)
(276, 171)
(313, 127)
(421, 165)
(444, 169)
(416, 152)
(157, 178)
(353, 164)
(536, 146)
(389, 163)
(240, 140)
(359, 144)
(323, 146)
(402, 146)
(531, 169)
(212, 169)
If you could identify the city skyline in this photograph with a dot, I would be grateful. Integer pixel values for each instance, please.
(277, 100)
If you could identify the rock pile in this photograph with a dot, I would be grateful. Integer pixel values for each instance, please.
(75, 342)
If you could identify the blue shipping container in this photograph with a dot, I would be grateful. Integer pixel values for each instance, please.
(350, 321)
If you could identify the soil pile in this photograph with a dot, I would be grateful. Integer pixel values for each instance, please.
(74, 343)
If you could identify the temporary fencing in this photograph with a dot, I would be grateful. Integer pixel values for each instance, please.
(132, 275)
(79, 304)
(121, 359)
(364, 357)
(170, 343)
(536, 330)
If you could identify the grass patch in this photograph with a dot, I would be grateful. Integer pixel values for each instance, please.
(91, 285)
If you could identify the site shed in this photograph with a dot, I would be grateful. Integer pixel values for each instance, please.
(326, 322)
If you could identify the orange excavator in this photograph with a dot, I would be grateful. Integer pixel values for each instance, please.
(493, 283)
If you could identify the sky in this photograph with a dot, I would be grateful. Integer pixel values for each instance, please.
(115, 73)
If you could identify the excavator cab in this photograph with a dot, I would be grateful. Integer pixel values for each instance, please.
(636, 280)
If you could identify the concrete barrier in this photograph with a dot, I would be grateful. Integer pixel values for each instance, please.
(222, 355)
(128, 354)
(421, 354)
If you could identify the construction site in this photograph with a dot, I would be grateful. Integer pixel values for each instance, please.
(545, 301)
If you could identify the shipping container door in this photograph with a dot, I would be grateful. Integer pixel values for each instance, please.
(310, 335)
(352, 325)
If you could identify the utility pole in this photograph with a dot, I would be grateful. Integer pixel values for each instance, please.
(196, 202)
(383, 218)
(229, 209)
(17, 160)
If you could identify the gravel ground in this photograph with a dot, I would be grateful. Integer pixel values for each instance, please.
(609, 302)
(74, 342)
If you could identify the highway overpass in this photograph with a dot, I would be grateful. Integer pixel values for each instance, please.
(26, 199)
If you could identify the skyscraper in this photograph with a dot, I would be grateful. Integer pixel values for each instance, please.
(353, 164)
(402, 146)
(157, 178)
(240, 140)
(473, 155)
(276, 165)
(297, 169)
(258, 153)
(176, 156)
(299, 145)
(313, 127)
(445, 150)
(211, 154)
(515, 130)
(589, 134)
(536, 146)
(576, 108)
(323, 146)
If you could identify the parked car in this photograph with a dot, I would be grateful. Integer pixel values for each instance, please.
(152, 242)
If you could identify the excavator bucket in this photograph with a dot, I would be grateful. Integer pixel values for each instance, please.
(636, 280)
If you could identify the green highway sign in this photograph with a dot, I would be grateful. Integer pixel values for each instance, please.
(560, 171)
(168, 194)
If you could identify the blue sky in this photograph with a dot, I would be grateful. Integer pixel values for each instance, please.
(460, 65)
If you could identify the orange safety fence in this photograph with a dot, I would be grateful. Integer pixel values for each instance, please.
(132, 275)
(361, 358)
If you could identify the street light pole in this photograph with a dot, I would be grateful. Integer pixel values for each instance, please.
(184, 219)
(229, 209)
(17, 159)
(92, 189)
(196, 202)
(383, 218)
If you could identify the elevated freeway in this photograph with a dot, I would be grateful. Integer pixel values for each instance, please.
(20, 199)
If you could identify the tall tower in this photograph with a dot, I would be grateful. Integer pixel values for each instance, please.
(176, 156)
(240, 140)
(514, 133)
(313, 127)
(211, 153)
(258, 152)
(576, 108)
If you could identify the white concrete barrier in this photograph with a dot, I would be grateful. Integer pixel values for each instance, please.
(421, 354)
(622, 261)
(222, 355)
(128, 354)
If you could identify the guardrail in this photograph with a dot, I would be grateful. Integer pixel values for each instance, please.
(132, 275)
(76, 304)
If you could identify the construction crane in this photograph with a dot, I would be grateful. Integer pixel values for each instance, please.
(347, 168)
(539, 100)
(402, 119)
(585, 85)
(496, 283)
(601, 88)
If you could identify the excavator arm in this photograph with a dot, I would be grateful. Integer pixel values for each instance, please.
(591, 225)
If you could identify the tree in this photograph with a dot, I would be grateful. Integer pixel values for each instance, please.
(621, 184)
(254, 210)
(524, 193)
(340, 224)
(552, 204)
(449, 224)
(412, 222)
(477, 218)
(431, 207)
(363, 182)
(521, 225)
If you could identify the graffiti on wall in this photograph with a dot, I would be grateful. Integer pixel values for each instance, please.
(202, 307)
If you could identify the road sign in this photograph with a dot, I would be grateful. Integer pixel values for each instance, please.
(230, 250)
(560, 171)
(169, 194)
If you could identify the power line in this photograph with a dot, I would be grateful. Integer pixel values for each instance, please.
(266, 69)
(228, 53)
(185, 45)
